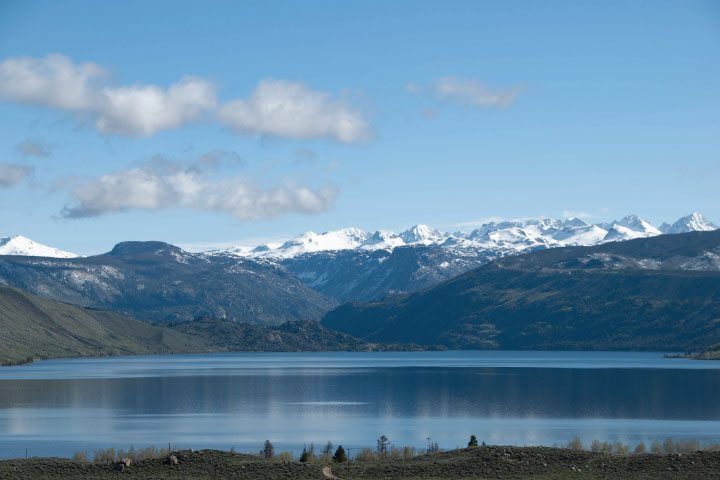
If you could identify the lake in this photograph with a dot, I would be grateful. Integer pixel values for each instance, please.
(239, 400)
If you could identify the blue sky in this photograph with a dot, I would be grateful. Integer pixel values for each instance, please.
(223, 122)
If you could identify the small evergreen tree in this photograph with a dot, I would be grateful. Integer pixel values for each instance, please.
(268, 450)
(340, 456)
(473, 441)
(305, 457)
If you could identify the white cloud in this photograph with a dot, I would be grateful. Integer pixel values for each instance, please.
(276, 107)
(54, 81)
(12, 174)
(163, 185)
(145, 110)
(472, 92)
(290, 109)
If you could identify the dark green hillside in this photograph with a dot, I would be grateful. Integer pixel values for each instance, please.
(658, 293)
(36, 327)
(158, 282)
(304, 336)
(33, 327)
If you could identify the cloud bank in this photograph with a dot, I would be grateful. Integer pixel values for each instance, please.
(276, 107)
(162, 185)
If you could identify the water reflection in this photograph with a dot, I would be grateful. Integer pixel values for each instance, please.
(225, 403)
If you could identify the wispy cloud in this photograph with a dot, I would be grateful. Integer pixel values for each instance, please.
(12, 174)
(475, 93)
(276, 108)
(576, 214)
(34, 148)
(291, 109)
(161, 184)
(466, 92)
(305, 156)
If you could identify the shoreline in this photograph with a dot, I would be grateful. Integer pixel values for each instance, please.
(498, 462)
(415, 348)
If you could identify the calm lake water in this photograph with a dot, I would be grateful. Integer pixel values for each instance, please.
(240, 399)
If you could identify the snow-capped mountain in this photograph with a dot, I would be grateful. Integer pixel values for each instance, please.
(511, 236)
(695, 222)
(352, 264)
(19, 245)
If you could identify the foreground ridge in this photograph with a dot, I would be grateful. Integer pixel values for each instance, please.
(498, 462)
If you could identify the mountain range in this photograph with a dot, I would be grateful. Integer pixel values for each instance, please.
(350, 264)
(656, 293)
(160, 283)
(300, 279)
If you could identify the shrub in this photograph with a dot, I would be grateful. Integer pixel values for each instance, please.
(684, 446)
(621, 449)
(600, 447)
(396, 452)
(80, 457)
(575, 444)
(640, 448)
(473, 441)
(655, 447)
(366, 455)
(284, 456)
(104, 455)
(668, 446)
(408, 452)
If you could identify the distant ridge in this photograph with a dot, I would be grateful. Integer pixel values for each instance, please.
(658, 293)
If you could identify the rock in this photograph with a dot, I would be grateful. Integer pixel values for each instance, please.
(126, 461)
(119, 467)
(172, 460)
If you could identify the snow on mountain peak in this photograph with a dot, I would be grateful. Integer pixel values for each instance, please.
(501, 237)
(19, 245)
(637, 224)
(695, 222)
(422, 234)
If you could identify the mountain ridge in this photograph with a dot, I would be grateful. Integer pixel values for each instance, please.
(660, 293)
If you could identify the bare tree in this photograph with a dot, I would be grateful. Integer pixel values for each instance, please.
(328, 449)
